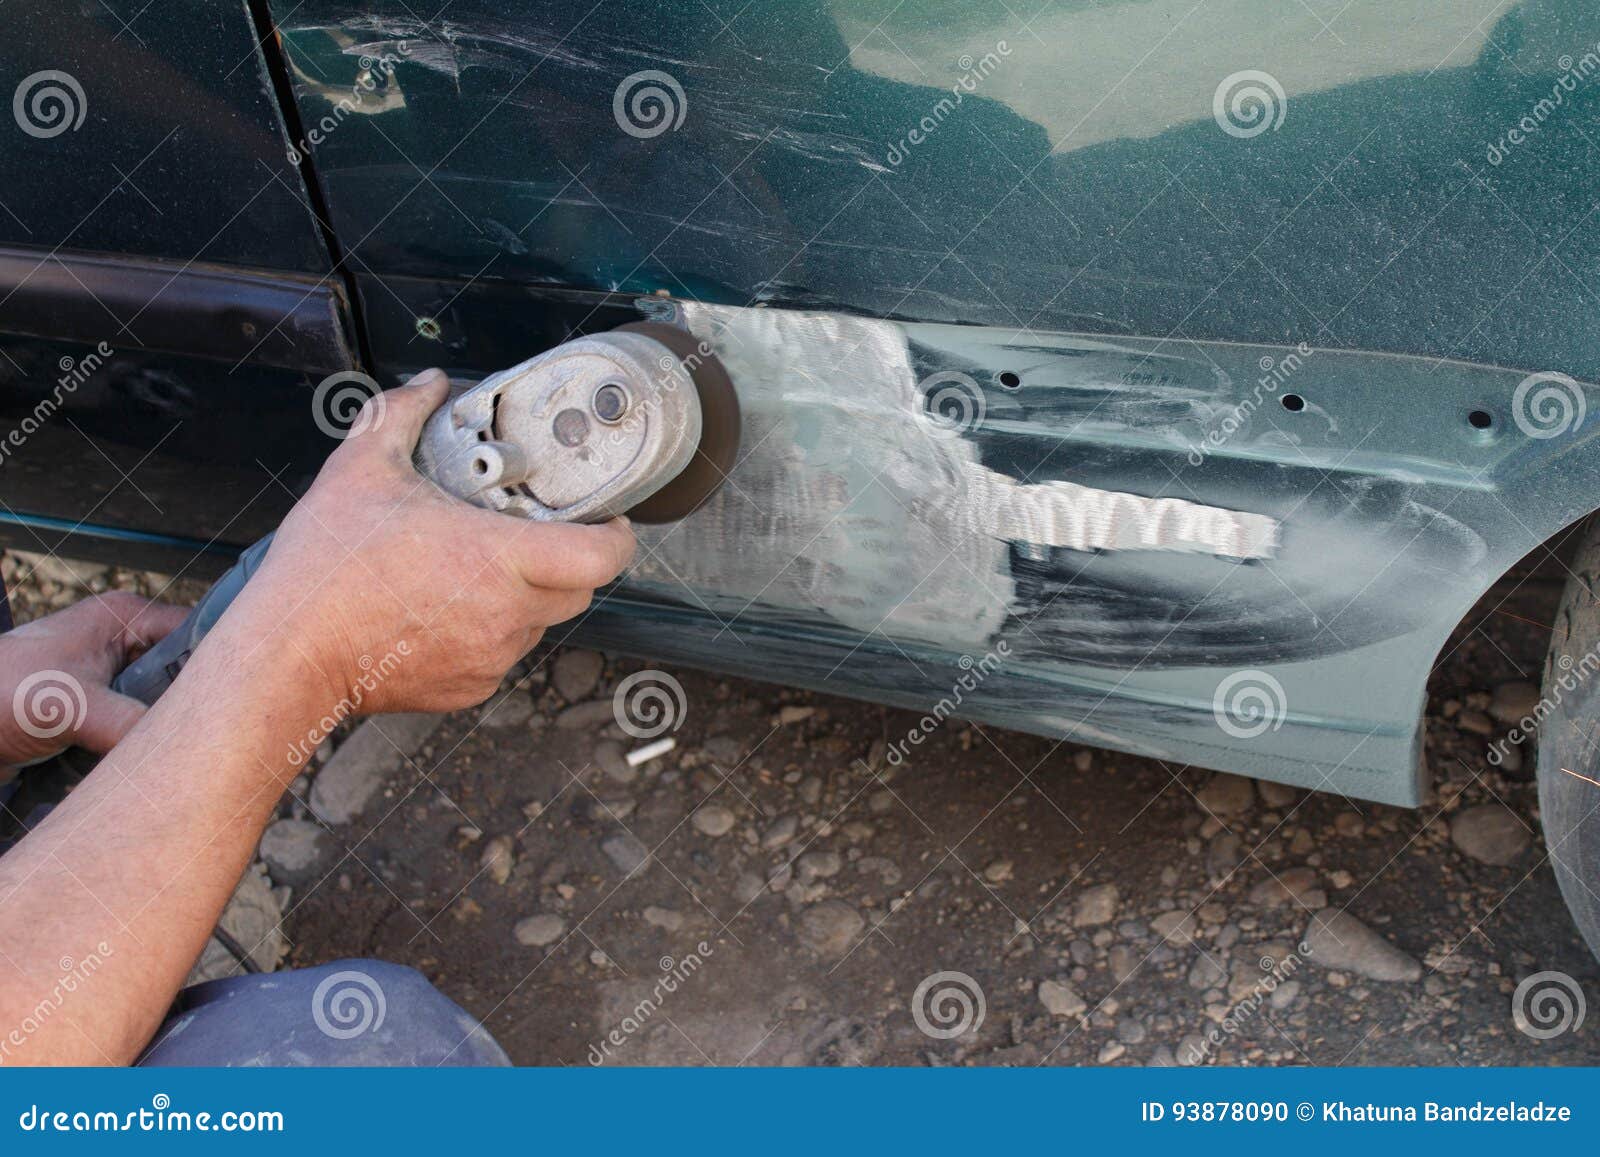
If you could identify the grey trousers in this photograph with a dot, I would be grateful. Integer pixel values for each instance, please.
(348, 1013)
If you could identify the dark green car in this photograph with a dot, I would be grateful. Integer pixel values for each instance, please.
(1168, 375)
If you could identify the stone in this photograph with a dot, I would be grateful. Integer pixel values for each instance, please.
(1490, 833)
(713, 820)
(830, 928)
(794, 713)
(538, 931)
(1226, 795)
(1176, 927)
(609, 756)
(498, 858)
(818, 865)
(507, 710)
(1338, 941)
(1061, 999)
(1349, 825)
(998, 872)
(1285, 995)
(664, 918)
(363, 763)
(1223, 855)
(1207, 971)
(1290, 886)
(1131, 1030)
(1276, 795)
(1096, 905)
(625, 851)
(1476, 722)
(781, 833)
(1192, 1050)
(295, 851)
(576, 674)
(1123, 962)
(1514, 701)
(586, 716)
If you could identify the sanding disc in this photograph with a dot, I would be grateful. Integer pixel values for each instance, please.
(719, 428)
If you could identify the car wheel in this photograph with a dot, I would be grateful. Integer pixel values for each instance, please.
(1568, 729)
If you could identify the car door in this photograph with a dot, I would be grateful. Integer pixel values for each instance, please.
(167, 301)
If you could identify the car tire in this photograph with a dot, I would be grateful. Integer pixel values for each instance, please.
(1569, 742)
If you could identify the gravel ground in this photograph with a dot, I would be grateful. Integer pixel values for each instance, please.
(773, 891)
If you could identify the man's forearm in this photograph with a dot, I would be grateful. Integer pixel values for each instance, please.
(135, 866)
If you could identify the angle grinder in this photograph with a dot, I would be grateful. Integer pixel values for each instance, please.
(641, 420)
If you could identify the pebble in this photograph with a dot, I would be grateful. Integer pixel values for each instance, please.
(1290, 886)
(781, 833)
(1514, 701)
(509, 709)
(609, 756)
(1123, 962)
(625, 851)
(793, 713)
(1223, 855)
(1349, 825)
(818, 865)
(1285, 995)
(811, 790)
(830, 928)
(1207, 971)
(998, 872)
(663, 918)
(1131, 1031)
(748, 887)
(538, 931)
(1226, 795)
(586, 716)
(1476, 722)
(1176, 927)
(1276, 795)
(293, 850)
(713, 820)
(1061, 999)
(498, 858)
(1490, 833)
(1110, 1052)
(576, 674)
(1096, 905)
(1338, 941)
(1191, 1050)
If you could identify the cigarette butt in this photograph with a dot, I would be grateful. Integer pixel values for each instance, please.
(650, 750)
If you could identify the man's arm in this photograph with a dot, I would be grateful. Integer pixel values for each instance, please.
(136, 865)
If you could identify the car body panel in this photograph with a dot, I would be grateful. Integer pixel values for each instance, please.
(1079, 396)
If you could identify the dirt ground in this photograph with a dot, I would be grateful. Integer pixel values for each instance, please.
(772, 891)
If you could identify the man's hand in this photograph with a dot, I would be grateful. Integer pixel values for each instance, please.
(55, 674)
(403, 598)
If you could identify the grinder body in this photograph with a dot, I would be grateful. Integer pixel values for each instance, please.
(596, 427)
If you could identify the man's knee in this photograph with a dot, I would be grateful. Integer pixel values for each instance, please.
(350, 1012)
